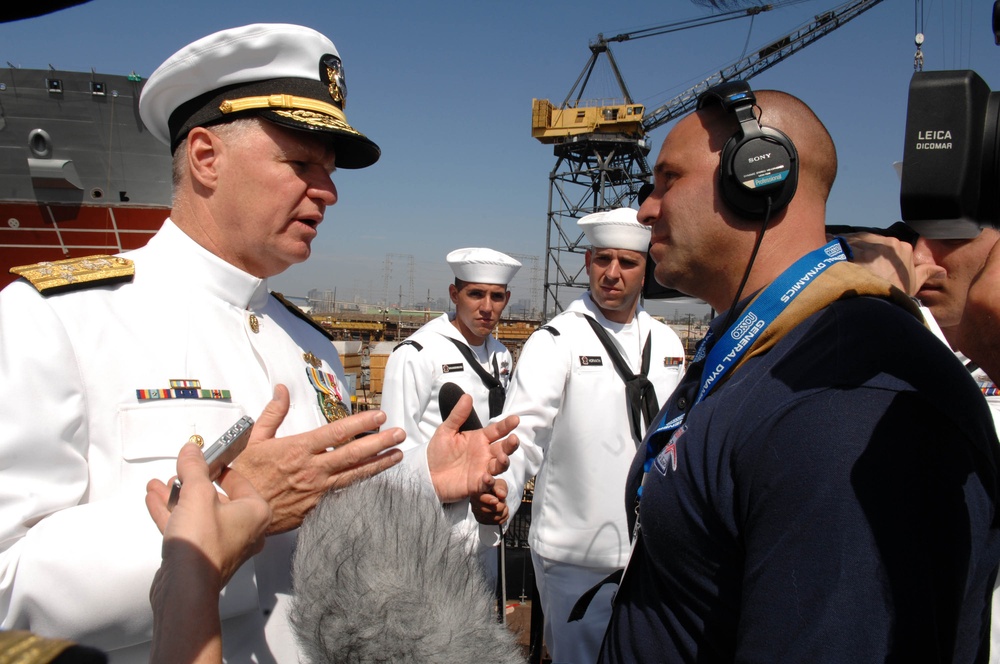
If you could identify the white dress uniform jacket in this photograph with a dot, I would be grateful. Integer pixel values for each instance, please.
(414, 374)
(77, 548)
(575, 431)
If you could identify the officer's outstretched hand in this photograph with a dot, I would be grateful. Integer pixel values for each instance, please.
(463, 463)
(294, 472)
(490, 507)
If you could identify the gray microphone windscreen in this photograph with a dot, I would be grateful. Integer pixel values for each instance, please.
(379, 577)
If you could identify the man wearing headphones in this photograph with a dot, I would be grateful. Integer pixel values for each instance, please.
(809, 492)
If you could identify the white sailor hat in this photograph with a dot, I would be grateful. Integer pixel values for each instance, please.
(615, 229)
(478, 265)
(288, 74)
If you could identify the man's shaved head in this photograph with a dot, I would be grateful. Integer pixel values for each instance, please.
(788, 114)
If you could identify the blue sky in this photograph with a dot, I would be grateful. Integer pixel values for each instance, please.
(445, 88)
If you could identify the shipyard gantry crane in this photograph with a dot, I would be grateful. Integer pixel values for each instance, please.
(601, 145)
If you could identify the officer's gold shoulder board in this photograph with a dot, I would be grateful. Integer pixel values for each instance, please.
(73, 274)
(23, 647)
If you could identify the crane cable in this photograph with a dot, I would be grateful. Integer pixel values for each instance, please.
(699, 22)
(961, 34)
(746, 43)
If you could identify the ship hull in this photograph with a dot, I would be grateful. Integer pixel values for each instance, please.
(79, 172)
(32, 233)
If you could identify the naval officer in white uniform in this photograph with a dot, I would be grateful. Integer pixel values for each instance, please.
(459, 348)
(109, 365)
(580, 427)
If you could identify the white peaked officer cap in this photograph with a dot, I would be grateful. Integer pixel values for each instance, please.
(478, 265)
(615, 229)
(287, 74)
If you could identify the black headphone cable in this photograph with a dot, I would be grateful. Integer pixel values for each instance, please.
(746, 275)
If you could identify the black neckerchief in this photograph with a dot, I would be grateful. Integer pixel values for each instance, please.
(640, 395)
(497, 394)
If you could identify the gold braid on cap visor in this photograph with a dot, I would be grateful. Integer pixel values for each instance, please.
(302, 109)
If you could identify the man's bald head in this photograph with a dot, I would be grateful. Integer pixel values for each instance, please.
(788, 114)
(700, 243)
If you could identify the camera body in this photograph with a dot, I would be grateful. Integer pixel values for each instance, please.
(951, 158)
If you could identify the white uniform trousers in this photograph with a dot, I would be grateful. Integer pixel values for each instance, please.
(560, 585)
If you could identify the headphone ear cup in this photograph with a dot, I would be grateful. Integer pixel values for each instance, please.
(755, 168)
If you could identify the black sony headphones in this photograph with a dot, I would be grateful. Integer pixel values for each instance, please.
(758, 163)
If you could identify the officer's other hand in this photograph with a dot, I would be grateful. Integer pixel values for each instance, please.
(890, 258)
(294, 472)
(463, 463)
(490, 508)
(978, 330)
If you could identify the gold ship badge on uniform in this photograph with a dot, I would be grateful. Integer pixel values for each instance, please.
(331, 403)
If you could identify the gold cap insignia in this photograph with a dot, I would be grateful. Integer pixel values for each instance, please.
(332, 72)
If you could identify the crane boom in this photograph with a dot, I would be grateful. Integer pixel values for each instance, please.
(576, 117)
(755, 63)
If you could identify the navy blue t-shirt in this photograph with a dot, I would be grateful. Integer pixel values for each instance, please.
(834, 500)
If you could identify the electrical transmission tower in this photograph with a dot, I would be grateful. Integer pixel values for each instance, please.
(534, 280)
(390, 261)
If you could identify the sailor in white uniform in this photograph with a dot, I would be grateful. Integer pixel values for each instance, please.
(108, 365)
(580, 428)
(457, 348)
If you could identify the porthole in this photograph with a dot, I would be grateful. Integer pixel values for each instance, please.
(40, 143)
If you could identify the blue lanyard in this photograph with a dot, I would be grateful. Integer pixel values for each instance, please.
(726, 353)
(760, 313)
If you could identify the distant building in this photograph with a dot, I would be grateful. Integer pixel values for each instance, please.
(322, 301)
